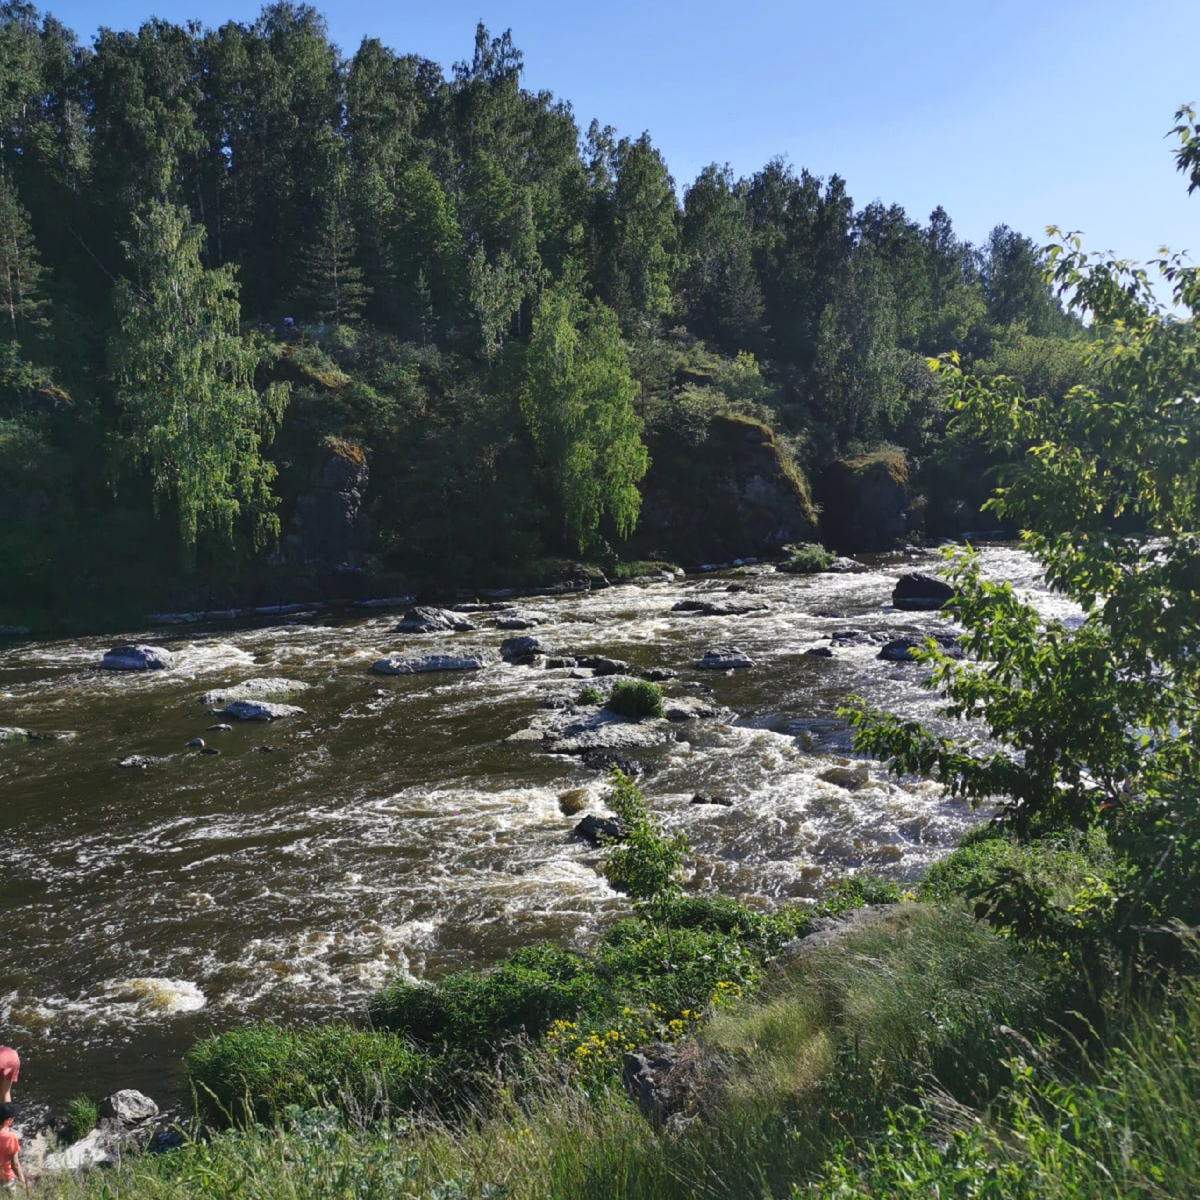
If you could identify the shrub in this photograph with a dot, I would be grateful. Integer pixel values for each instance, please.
(590, 695)
(472, 1009)
(809, 559)
(268, 1068)
(636, 699)
(81, 1117)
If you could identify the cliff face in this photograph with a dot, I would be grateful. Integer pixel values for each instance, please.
(865, 502)
(733, 495)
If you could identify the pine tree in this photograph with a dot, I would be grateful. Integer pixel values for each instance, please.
(20, 266)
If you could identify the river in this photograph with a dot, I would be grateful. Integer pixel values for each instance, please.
(392, 826)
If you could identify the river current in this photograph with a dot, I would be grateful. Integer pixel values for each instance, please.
(393, 825)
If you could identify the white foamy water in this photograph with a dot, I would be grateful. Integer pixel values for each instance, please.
(393, 827)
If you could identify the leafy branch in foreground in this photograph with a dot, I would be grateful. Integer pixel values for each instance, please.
(1094, 725)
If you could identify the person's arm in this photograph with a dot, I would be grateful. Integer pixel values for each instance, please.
(16, 1162)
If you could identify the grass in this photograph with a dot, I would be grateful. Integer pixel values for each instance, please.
(779, 1082)
(82, 1116)
(636, 699)
(809, 559)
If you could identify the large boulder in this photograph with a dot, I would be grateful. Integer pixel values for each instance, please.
(424, 664)
(918, 592)
(724, 658)
(138, 657)
(423, 619)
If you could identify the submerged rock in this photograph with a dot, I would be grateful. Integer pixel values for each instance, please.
(712, 798)
(254, 689)
(519, 620)
(724, 658)
(139, 657)
(819, 652)
(13, 734)
(423, 619)
(918, 592)
(196, 744)
(259, 710)
(846, 566)
(139, 762)
(850, 776)
(424, 664)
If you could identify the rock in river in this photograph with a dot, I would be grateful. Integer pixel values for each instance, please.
(599, 830)
(522, 650)
(723, 658)
(433, 620)
(424, 664)
(258, 710)
(130, 1107)
(918, 592)
(254, 689)
(719, 608)
(901, 649)
(138, 657)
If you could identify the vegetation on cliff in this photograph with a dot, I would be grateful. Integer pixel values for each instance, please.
(512, 318)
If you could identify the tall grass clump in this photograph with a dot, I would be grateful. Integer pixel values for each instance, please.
(809, 559)
(636, 699)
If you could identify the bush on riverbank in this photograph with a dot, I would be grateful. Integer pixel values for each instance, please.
(263, 1069)
(809, 559)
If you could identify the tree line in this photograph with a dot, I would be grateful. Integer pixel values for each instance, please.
(505, 311)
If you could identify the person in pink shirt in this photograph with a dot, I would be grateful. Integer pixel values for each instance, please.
(10, 1072)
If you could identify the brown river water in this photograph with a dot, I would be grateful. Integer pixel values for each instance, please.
(391, 826)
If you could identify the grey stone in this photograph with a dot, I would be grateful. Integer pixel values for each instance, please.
(918, 592)
(130, 1107)
(196, 744)
(723, 658)
(424, 664)
(712, 798)
(258, 710)
(603, 666)
(270, 688)
(659, 674)
(139, 762)
(522, 650)
(137, 657)
(720, 608)
(222, 728)
(901, 649)
(847, 775)
(599, 831)
(819, 652)
(423, 619)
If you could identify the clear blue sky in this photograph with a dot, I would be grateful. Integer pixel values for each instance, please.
(1017, 112)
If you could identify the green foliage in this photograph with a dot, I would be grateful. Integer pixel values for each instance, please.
(20, 266)
(589, 695)
(636, 699)
(646, 865)
(1091, 726)
(577, 400)
(268, 1069)
(478, 1009)
(185, 382)
(81, 1117)
(809, 559)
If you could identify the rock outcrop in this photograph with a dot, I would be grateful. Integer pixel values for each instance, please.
(724, 658)
(254, 689)
(865, 502)
(332, 529)
(735, 494)
(258, 710)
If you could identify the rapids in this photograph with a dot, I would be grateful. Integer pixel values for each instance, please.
(391, 826)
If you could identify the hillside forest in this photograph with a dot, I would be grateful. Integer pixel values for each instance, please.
(281, 320)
